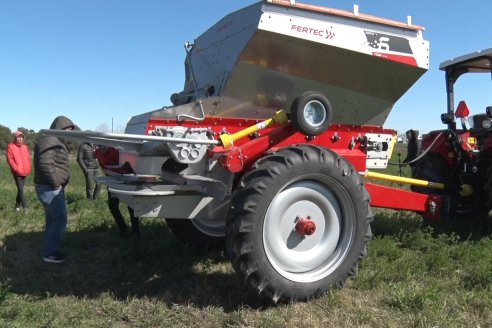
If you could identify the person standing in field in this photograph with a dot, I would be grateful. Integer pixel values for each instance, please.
(412, 149)
(51, 175)
(19, 161)
(108, 156)
(88, 163)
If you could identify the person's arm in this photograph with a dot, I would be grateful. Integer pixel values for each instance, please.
(11, 160)
(80, 158)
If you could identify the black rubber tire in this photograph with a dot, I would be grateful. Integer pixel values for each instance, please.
(248, 230)
(488, 192)
(482, 225)
(187, 232)
(297, 113)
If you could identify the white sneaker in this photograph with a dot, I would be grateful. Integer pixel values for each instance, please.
(57, 258)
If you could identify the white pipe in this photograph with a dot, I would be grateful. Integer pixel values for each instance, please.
(121, 136)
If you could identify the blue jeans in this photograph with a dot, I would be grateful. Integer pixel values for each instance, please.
(55, 212)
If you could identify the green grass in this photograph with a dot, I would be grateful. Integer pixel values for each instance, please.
(412, 276)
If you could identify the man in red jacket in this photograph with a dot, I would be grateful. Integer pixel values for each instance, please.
(20, 166)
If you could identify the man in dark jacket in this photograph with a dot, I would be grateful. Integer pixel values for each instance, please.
(412, 148)
(88, 163)
(51, 175)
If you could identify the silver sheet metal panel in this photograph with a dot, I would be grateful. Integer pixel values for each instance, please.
(265, 55)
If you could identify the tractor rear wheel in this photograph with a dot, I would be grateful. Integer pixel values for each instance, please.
(207, 234)
(488, 191)
(298, 224)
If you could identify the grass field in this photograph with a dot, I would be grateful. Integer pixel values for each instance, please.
(412, 276)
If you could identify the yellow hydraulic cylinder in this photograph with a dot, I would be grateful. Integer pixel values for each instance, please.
(280, 117)
(410, 181)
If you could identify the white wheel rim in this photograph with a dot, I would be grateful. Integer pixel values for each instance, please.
(306, 258)
(314, 113)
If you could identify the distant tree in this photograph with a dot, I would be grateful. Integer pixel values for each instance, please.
(73, 145)
(5, 137)
(103, 127)
(119, 129)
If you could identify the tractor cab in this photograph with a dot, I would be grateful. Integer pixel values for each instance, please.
(477, 62)
(460, 157)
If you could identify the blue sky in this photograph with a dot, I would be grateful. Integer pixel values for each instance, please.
(102, 61)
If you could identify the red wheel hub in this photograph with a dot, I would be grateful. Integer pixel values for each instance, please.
(305, 226)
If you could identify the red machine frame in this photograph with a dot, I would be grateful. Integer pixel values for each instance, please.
(347, 141)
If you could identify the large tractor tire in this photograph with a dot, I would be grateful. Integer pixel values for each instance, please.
(488, 192)
(207, 234)
(298, 224)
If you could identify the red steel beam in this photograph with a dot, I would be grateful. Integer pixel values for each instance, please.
(396, 199)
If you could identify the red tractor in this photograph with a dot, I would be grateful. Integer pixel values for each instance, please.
(266, 149)
(461, 158)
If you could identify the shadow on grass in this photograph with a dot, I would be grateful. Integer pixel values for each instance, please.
(102, 262)
(394, 223)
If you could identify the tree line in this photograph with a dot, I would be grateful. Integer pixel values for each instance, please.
(31, 137)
